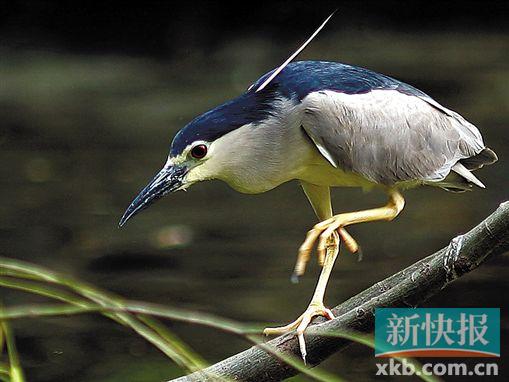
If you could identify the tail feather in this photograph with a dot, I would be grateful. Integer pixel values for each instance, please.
(486, 157)
(462, 170)
(453, 182)
(460, 179)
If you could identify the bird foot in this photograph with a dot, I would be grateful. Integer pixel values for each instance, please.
(328, 233)
(301, 323)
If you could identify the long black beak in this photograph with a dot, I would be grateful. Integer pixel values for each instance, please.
(169, 179)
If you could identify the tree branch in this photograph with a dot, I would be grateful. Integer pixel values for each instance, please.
(408, 287)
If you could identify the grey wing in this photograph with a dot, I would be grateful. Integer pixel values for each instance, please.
(389, 137)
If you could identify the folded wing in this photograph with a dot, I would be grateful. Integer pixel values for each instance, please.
(391, 137)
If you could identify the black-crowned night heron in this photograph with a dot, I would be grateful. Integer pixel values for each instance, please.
(327, 125)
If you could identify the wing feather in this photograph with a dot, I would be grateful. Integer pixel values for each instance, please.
(387, 136)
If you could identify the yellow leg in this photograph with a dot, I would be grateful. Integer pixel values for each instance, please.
(328, 247)
(316, 307)
(304, 256)
(319, 197)
(324, 230)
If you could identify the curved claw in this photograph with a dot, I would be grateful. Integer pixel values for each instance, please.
(348, 240)
(326, 233)
(300, 325)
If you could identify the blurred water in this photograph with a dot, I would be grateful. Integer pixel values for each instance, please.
(82, 134)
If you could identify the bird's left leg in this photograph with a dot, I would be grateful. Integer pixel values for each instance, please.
(316, 306)
(319, 197)
(322, 232)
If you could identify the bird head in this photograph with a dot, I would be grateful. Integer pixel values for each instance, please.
(205, 148)
(201, 150)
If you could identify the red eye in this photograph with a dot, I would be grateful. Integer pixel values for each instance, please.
(199, 151)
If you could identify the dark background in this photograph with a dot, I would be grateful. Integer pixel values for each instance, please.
(91, 94)
(166, 28)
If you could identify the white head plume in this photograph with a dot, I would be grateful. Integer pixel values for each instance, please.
(294, 54)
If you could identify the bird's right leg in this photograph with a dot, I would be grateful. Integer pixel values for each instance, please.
(321, 233)
(319, 198)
